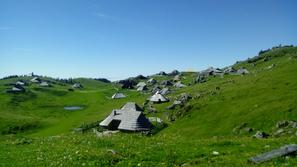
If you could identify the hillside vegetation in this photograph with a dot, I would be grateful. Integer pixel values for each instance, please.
(222, 116)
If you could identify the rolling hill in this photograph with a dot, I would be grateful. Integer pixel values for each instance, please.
(222, 116)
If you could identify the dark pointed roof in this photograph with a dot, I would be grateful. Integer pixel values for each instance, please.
(130, 118)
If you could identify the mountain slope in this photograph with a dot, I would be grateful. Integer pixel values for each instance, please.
(207, 123)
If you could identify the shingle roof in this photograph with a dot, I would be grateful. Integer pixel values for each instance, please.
(157, 97)
(118, 96)
(179, 85)
(44, 84)
(141, 84)
(35, 80)
(141, 88)
(152, 81)
(132, 106)
(165, 91)
(131, 118)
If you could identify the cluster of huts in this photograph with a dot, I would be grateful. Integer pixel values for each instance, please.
(130, 116)
(19, 86)
(203, 75)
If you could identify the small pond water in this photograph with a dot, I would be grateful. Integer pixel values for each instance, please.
(73, 108)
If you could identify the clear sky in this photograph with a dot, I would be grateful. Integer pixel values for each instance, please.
(121, 38)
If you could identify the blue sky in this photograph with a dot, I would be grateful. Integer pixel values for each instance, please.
(121, 38)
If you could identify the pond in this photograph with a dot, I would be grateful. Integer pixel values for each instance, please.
(73, 108)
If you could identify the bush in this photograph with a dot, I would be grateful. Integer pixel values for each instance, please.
(20, 127)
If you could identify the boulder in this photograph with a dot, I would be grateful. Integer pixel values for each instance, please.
(260, 135)
(286, 124)
(155, 119)
(184, 97)
(201, 79)
(283, 151)
(270, 67)
(279, 132)
(174, 105)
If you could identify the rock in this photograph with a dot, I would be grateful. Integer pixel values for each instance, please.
(175, 103)
(184, 97)
(282, 124)
(156, 119)
(215, 153)
(283, 151)
(201, 79)
(113, 152)
(260, 135)
(270, 67)
(294, 124)
(286, 124)
(279, 132)
(104, 133)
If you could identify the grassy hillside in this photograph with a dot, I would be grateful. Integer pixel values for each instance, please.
(36, 130)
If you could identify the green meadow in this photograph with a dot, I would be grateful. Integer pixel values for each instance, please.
(36, 130)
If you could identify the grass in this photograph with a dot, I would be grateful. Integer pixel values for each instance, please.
(36, 130)
(137, 150)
